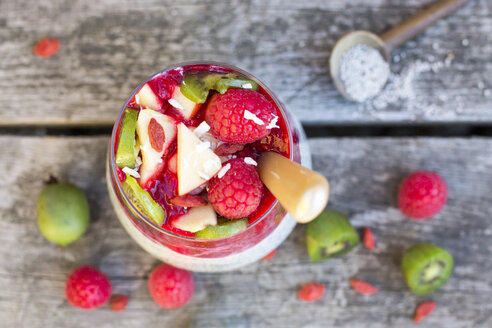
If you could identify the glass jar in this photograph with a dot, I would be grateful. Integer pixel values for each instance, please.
(259, 238)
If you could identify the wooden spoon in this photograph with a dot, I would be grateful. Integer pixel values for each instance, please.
(390, 39)
(302, 192)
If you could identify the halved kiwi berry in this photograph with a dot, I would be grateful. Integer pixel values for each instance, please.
(426, 267)
(330, 235)
(225, 228)
(234, 81)
(196, 85)
(125, 153)
(143, 201)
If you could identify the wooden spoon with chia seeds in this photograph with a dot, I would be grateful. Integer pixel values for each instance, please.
(390, 39)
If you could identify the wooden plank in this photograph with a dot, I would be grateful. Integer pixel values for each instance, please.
(364, 175)
(108, 47)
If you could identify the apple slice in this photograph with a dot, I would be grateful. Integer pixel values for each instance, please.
(196, 219)
(197, 163)
(185, 106)
(155, 133)
(147, 98)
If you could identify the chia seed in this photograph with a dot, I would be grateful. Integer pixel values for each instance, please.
(363, 71)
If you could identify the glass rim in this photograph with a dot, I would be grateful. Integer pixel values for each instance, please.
(114, 175)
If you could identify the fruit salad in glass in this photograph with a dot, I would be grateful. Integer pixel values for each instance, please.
(182, 167)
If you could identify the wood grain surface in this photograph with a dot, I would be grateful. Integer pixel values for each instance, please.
(364, 175)
(108, 47)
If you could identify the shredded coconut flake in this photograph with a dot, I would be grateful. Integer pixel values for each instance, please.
(145, 146)
(131, 172)
(250, 116)
(201, 129)
(224, 170)
(273, 123)
(176, 104)
(247, 86)
(209, 165)
(137, 99)
(202, 146)
(138, 162)
(250, 161)
(204, 176)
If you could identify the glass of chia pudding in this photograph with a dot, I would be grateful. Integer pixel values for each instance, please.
(182, 166)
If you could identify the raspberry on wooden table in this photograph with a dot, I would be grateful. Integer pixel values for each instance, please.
(238, 192)
(87, 288)
(239, 116)
(171, 287)
(422, 194)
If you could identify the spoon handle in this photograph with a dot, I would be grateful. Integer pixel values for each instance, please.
(415, 25)
(302, 192)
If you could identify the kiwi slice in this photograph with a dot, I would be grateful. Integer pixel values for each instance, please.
(196, 85)
(143, 201)
(125, 152)
(225, 228)
(234, 81)
(426, 267)
(330, 235)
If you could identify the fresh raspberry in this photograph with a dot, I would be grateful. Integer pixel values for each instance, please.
(118, 302)
(171, 287)
(422, 195)
(238, 193)
(226, 116)
(363, 287)
(311, 292)
(46, 47)
(87, 288)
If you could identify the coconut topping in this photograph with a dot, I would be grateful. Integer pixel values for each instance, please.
(176, 104)
(250, 161)
(201, 129)
(250, 116)
(224, 170)
(209, 165)
(273, 123)
(145, 146)
(247, 86)
(137, 99)
(131, 172)
(202, 146)
(138, 162)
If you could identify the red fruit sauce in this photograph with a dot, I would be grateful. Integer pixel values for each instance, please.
(163, 187)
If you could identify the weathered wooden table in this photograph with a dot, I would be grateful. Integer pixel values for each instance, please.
(108, 47)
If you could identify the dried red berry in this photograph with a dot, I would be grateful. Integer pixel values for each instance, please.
(118, 302)
(363, 287)
(228, 149)
(368, 239)
(188, 201)
(46, 47)
(311, 292)
(269, 256)
(156, 135)
(423, 310)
